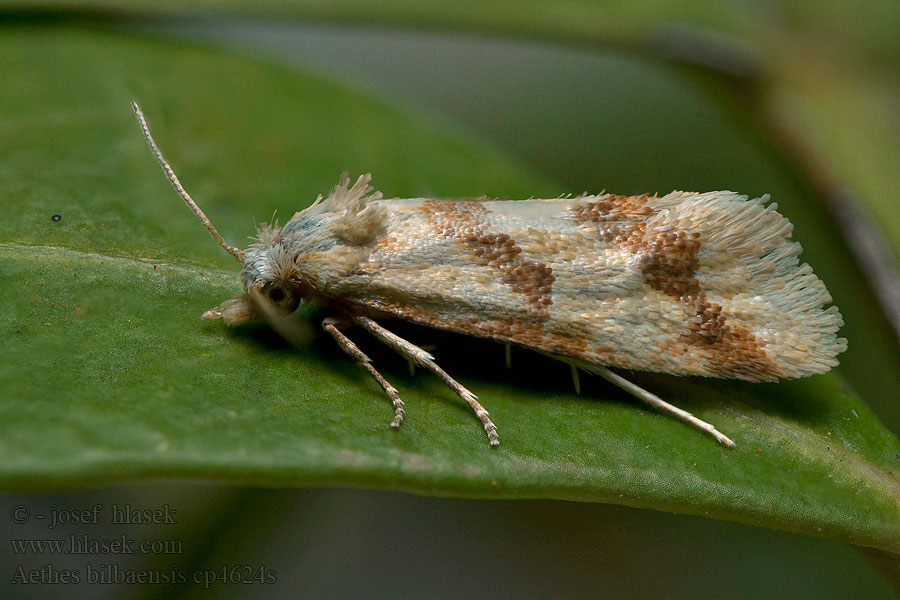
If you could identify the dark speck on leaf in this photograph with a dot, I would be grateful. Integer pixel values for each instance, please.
(56, 218)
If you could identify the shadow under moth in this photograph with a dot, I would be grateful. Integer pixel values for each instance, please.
(687, 284)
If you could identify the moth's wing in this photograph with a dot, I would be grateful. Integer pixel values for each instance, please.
(692, 284)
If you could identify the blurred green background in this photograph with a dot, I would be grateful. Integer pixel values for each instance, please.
(793, 99)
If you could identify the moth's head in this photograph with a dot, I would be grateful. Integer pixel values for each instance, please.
(268, 270)
(269, 291)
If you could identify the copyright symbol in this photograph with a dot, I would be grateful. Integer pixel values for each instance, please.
(20, 514)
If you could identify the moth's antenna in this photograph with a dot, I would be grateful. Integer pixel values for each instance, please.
(173, 179)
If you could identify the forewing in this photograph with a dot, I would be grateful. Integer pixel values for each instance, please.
(693, 284)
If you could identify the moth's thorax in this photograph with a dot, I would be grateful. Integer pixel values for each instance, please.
(320, 245)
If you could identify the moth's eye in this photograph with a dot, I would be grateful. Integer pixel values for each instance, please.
(282, 296)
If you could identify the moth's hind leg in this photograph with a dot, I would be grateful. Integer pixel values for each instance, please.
(331, 326)
(415, 354)
(660, 404)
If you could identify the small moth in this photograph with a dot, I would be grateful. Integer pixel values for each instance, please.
(688, 284)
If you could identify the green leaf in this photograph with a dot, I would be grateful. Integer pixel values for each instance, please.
(115, 377)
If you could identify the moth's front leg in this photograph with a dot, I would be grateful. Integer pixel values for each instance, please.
(415, 354)
(331, 326)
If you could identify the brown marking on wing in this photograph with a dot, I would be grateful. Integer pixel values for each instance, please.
(464, 221)
(734, 351)
(669, 262)
(614, 219)
(613, 208)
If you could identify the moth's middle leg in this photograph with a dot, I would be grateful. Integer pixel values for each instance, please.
(331, 326)
(413, 353)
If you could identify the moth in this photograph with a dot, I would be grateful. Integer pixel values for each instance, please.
(702, 284)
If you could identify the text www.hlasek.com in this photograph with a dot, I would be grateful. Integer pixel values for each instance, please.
(84, 544)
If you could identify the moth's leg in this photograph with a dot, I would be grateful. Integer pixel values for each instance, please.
(413, 353)
(661, 404)
(575, 380)
(293, 330)
(330, 325)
